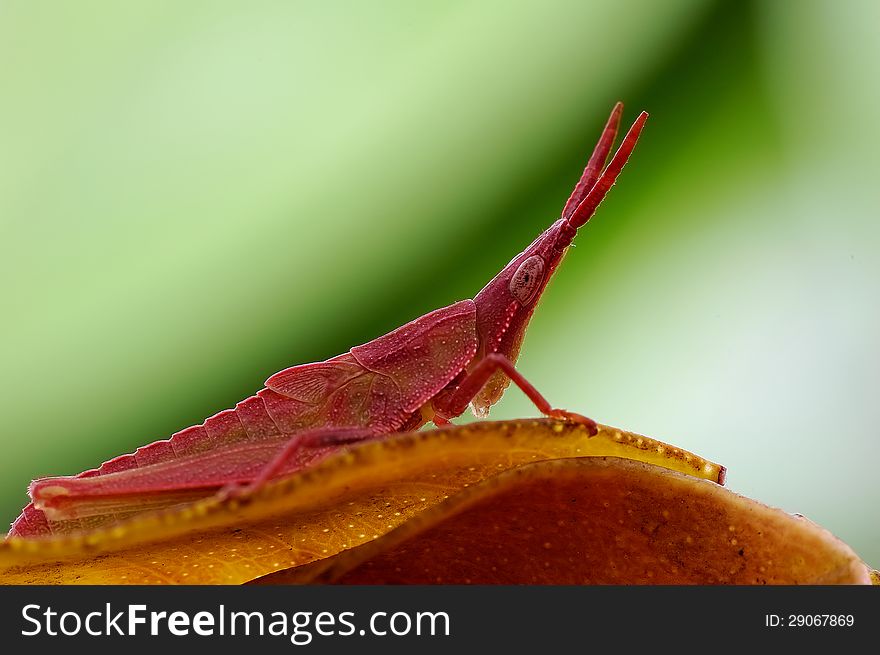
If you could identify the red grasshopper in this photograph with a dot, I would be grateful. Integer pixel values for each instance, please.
(430, 369)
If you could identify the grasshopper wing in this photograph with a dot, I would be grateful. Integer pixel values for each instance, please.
(426, 354)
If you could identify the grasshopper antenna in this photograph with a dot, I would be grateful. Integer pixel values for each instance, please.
(587, 207)
(596, 163)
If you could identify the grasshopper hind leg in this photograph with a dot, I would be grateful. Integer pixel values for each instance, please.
(325, 437)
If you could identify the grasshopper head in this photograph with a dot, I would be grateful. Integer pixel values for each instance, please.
(506, 304)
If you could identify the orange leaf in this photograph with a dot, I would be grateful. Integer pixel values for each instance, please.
(596, 521)
(347, 500)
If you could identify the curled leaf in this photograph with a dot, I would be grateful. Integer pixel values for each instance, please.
(495, 502)
(596, 521)
(343, 502)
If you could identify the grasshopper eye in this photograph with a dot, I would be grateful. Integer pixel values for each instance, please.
(527, 279)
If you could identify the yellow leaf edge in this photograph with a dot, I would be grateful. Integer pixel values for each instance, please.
(525, 440)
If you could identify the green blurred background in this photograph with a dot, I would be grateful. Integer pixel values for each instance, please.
(195, 195)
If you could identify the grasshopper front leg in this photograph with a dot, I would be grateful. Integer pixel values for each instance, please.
(470, 386)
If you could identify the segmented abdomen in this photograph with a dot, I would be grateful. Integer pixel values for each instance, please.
(230, 446)
(258, 418)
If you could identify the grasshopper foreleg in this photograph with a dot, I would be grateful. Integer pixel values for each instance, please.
(470, 386)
